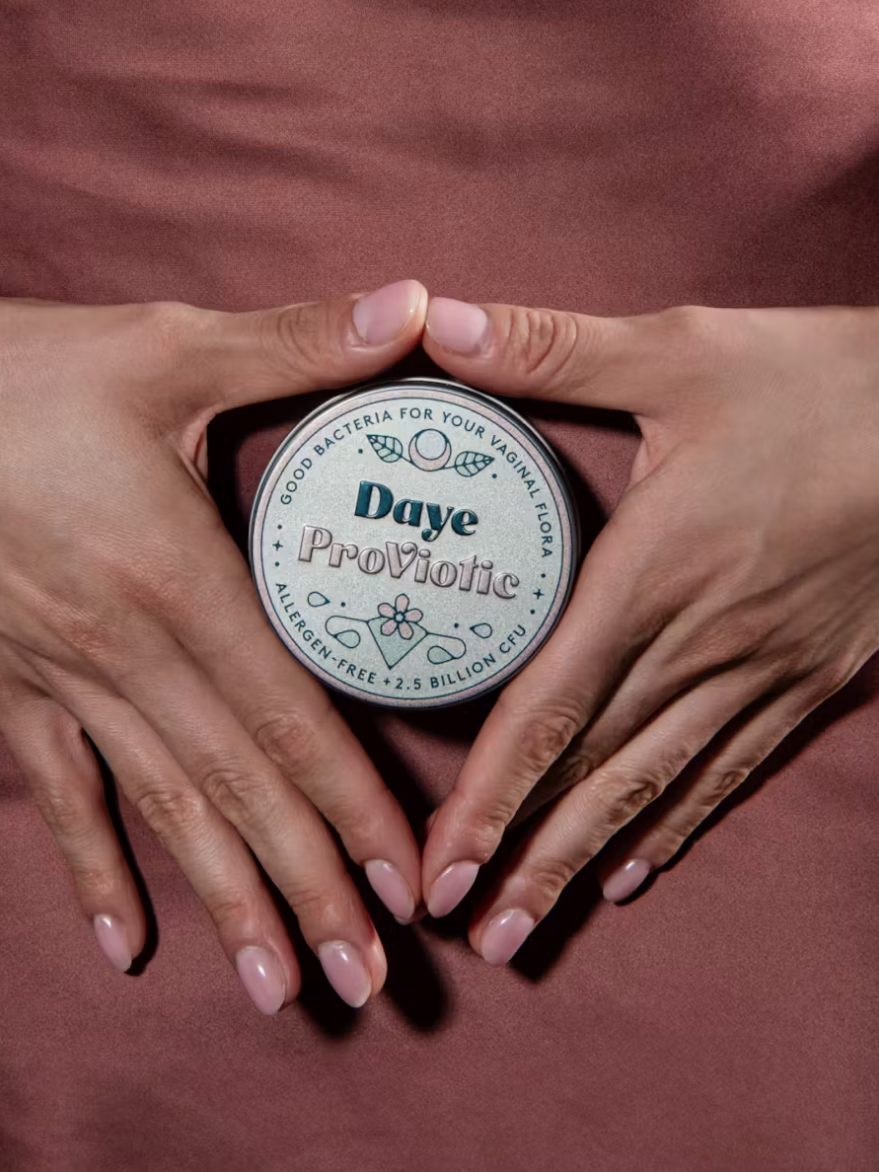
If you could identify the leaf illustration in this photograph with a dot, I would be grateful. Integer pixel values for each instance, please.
(386, 447)
(471, 463)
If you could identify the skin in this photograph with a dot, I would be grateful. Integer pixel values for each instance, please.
(733, 590)
(735, 587)
(129, 614)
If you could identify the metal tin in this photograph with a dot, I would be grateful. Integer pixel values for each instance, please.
(414, 542)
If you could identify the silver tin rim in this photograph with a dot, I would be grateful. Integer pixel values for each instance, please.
(450, 390)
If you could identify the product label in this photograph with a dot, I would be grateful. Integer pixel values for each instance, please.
(411, 545)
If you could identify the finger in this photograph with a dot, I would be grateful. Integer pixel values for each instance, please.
(249, 357)
(210, 853)
(682, 656)
(284, 709)
(629, 644)
(65, 779)
(279, 823)
(540, 712)
(586, 818)
(717, 775)
(549, 354)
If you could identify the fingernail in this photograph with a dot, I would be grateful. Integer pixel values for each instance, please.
(381, 316)
(262, 977)
(458, 326)
(450, 887)
(391, 888)
(505, 935)
(111, 937)
(620, 883)
(346, 971)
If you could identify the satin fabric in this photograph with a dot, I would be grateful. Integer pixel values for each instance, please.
(587, 154)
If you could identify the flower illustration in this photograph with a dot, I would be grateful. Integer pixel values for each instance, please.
(398, 616)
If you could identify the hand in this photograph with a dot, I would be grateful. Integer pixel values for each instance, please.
(735, 587)
(127, 612)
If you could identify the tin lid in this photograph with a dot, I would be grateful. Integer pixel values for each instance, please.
(414, 542)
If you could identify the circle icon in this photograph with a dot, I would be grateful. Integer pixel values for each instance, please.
(430, 449)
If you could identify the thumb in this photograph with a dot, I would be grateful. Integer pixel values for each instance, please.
(546, 353)
(314, 346)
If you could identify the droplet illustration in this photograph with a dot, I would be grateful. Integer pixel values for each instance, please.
(338, 626)
(439, 655)
(317, 599)
(483, 630)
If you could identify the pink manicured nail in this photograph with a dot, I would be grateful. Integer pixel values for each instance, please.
(111, 937)
(505, 935)
(450, 887)
(391, 888)
(346, 972)
(458, 325)
(620, 883)
(262, 977)
(381, 316)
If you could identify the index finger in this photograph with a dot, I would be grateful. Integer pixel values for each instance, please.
(286, 710)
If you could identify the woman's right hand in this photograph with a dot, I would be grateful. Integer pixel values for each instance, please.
(127, 613)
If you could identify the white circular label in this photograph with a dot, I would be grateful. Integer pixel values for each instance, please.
(412, 544)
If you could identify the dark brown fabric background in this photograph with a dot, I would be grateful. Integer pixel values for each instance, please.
(591, 154)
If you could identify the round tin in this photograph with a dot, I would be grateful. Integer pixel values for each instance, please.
(414, 542)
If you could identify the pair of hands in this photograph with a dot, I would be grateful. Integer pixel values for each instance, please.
(735, 587)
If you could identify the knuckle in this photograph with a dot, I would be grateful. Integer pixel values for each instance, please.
(543, 737)
(625, 795)
(359, 826)
(486, 827)
(160, 333)
(743, 634)
(825, 681)
(739, 634)
(550, 877)
(88, 634)
(718, 784)
(299, 336)
(230, 909)
(288, 739)
(325, 906)
(798, 666)
(171, 812)
(238, 794)
(67, 814)
(695, 329)
(149, 589)
(165, 327)
(573, 766)
(543, 341)
(157, 583)
(101, 630)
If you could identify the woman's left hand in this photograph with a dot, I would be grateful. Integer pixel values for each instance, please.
(734, 589)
